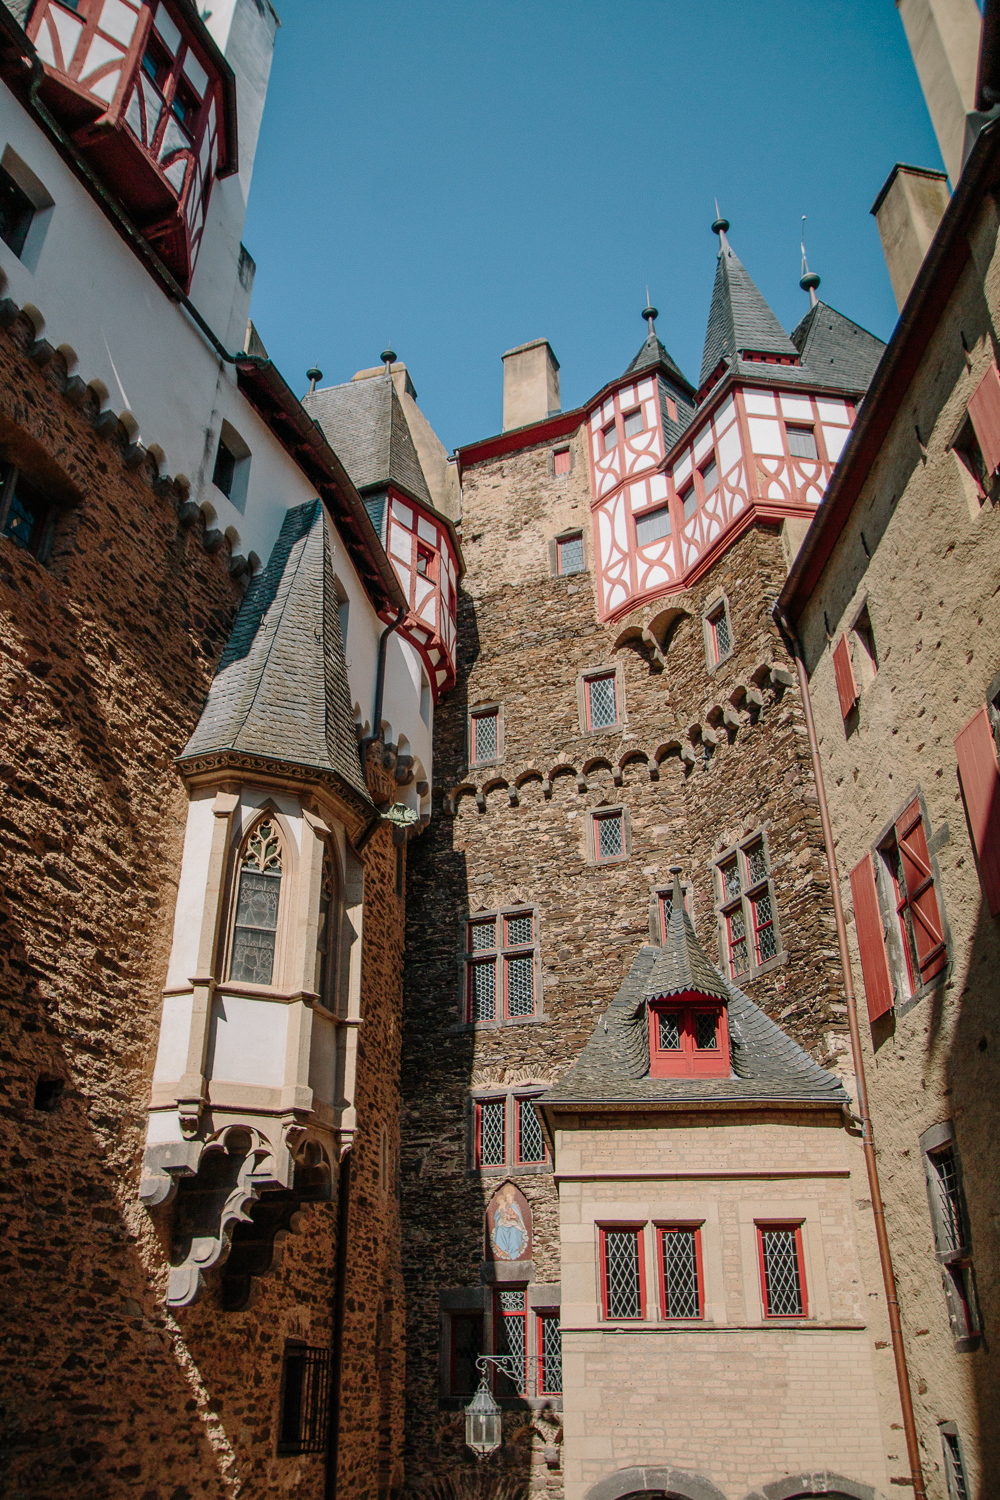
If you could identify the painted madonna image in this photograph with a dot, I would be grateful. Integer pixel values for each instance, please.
(508, 1225)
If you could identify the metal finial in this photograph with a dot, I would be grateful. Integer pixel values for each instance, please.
(388, 358)
(720, 226)
(809, 280)
(312, 376)
(650, 313)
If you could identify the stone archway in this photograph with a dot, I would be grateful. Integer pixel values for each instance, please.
(654, 1484)
(818, 1485)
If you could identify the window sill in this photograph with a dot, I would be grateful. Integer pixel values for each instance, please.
(596, 734)
(522, 1169)
(756, 971)
(463, 1026)
(483, 765)
(713, 666)
(938, 982)
(601, 864)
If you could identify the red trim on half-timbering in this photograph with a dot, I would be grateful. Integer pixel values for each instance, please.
(879, 988)
(847, 687)
(800, 1260)
(563, 425)
(662, 1230)
(979, 777)
(636, 1229)
(928, 935)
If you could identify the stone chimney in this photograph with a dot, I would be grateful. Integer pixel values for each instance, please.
(943, 37)
(907, 211)
(530, 384)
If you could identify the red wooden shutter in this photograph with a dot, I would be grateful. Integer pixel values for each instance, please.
(980, 778)
(847, 688)
(984, 409)
(871, 940)
(931, 952)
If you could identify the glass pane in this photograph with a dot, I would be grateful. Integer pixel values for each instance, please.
(603, 702)
(253, 956)
(723, 640)
(666, 910)
(550, 1349)
(738, 953)
(519, 929)
(571, 555)
(756, 863)
(763, 918)
(257, 902)
(949, 1197)
(957, 1487)
(520, 986)
(256, 923)
(632, 422)
(710, 477)
(484, 991)
(485, 736)
(681, 1297)
(781, 1273)
(621, 1268)
(690, 502)
(26, 517)
(610, 839)
(652, 526)
(493, 1132)
(510, 1334)
(706, 1027)
(610, 437)
(802, 442)
(670, 1031)
(531, 1146)
(482, 935)
(730, 881)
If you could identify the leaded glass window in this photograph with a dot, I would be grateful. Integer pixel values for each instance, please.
(679, 1264)
(571, 559)
(622, 1279)
(954, 1468)
(549, 1354)
(782, 1272)
(519, 928)
(511, 1339)
(483, 990)
(746, 908)
(756, 863)
(610, 836)
(255, 930)
(493, 1132)
(763, 923)
(500, 966)
(521, 985)
(602, 702)
(949, 1197)
(706, 1030)
(485, 736)
(721, 635)
(530, 1143)
(738, 953)
(670, 1031)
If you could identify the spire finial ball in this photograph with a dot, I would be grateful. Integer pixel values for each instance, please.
(388, 356)
(650, 313)
(809, 282)
(720, 225)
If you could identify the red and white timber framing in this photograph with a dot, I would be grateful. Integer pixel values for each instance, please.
(423, 552)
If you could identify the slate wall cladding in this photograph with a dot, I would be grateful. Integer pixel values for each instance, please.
(523, 637)
(105, 660)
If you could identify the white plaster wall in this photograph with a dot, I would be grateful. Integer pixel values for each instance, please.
(175, 1032)
(247, 1041)
(190, 907)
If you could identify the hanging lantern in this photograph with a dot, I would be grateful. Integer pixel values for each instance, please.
(483, 1422)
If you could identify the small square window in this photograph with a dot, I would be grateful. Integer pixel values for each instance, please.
(609, 435)
(609, 836)
(783, 1282)
(632, 422)
(562, 461)
(16, 213)
(802, 442)
(652, 525)
(689, 501)
(602, 702)
(485, 737)
(570, 554)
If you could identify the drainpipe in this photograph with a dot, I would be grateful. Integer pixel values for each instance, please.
(867, 1137)
(339, 1302)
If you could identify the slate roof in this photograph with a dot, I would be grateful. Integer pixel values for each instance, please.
(837, 351)
(767, 1066)
(280, 691)
(739, 318)
(364, 424)
(653, 354)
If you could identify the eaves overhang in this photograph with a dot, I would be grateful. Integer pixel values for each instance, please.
(938, 276)
(720, 1105)
(562, 424)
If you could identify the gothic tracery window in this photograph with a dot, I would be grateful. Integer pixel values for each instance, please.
(255, 930)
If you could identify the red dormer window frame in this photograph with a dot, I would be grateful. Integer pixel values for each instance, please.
(689, 1060)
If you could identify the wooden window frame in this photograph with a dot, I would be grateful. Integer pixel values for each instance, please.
(516, 1101)
(512, 1165)
(479, 1106)
(745, 902)
(500, 1319)
(588, 675)
(485, 711)
(954, 1459)
(760, 1226)
(628, 1227)
(559, 542)
(499, 955)
(558, 453)
(920, 965)
(661, 507)
(661, 1230)
(688, 1060)
(599, 815)
(956, 1261)
(799, 425)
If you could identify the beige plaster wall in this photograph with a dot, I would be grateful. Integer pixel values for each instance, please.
(931, 590)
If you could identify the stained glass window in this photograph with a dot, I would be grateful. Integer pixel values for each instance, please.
(256, 928)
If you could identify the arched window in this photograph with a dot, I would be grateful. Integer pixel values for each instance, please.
(329, 930)
(258, 893)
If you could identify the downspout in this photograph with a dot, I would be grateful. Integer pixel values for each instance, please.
(339, 1304)
(867, 1137)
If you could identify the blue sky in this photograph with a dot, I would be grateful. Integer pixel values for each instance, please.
(460, 176)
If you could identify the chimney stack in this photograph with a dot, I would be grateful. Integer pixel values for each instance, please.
(908, 211)
(943, 37)
(530, 384)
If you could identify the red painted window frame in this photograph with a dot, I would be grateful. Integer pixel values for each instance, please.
(920, 896)
(760, 1226)
(879, 989)
(847, 686)
(422, 550)
(456, 1319)
(734, 972)
(638, 1229)
(492, 1165)
(759, 927)
(489, 713)
(719, 613)
(500, 1317)
(671, 408)
(608, 859)
(556, 456)
(588, 682)
(672, 1228)
(688, 1061)
(979, 776)
(542, 1313)
(559, 549)
(519, 1160)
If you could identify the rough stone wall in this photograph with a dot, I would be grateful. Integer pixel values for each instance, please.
(523, 638)
(930, 586)
(106, 655)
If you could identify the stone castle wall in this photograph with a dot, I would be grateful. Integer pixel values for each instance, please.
(518, 834)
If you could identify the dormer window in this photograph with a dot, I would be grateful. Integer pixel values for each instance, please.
(688, 1039)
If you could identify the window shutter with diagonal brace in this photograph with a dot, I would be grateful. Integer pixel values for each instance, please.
(980, 778)
(879, 988)
(932, 955)
(847, 687)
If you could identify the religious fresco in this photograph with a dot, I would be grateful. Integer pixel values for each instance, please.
(508, 1225)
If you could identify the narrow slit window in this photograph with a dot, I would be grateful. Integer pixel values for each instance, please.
(710, 477)
(255, 931)
(16, 213)
(492, 1132)
(609, 437)
(27, 517)
(609, 837)
(305, 1400)
(689, 501)
(549, 1354)
(954, 1466)
(720, 635)
(485, 736)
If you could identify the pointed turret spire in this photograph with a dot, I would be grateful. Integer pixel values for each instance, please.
(739, 319)
(808, 281)
(653, 353)
(650, 313)
(681, 963)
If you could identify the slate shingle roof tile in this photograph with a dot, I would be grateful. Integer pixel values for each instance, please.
(365, 425)
(835, 350)
(739, 318)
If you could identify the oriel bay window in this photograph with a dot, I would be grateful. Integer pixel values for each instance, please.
(782, 1271)
(500, 961)
(681, 1294)
(258, 895)
(746, 907)
(623, 1279)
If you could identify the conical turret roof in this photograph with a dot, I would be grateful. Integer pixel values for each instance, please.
(739, 318)
(653, 355)
(681, 963)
